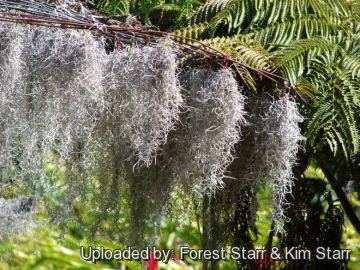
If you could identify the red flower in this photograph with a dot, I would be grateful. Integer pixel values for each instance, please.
(261, 263)
(152, 263)
(175, 258)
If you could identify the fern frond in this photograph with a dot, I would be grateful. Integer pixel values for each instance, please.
(208, 11)
(349, 83)
(195, 31)
(341, 8)
(318, 122)
(332, 141)
(348, 113)
(114, 7)
(352, 64)
(351, 58)
(337, 115)
(342, 136)
(330, 9)
(246, 77)
(251, 54)
(336, 119)
(244, 16)
(324, 128)
(293, 57)
(233, 15)
(306, 91)
(288, 31)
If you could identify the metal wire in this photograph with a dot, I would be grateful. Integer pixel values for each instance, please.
(44, 14)
(42, 9)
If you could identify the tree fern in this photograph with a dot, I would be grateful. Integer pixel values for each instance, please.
(306, 91)
(294, 57)
(207, 11)
(197, 31)
(351, 56)
(244, 16)
(342, 89)
(233, 15)
(157, 10)
(251, 53)
(337, 119)
(288, 31)
(313, 44)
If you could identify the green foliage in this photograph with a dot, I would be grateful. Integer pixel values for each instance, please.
(115, 7)
(243, 16)
(195, 31)
(207, 11)
(306, 91)
(249, 53)
(187, 7)
(42, 249)
(337, 119)
(294, 58)
(282, 33)
(152, 11)
(314, 45)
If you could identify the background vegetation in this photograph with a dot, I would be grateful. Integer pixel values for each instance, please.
(314, 45)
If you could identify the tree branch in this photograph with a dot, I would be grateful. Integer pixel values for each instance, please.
(355, 221)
